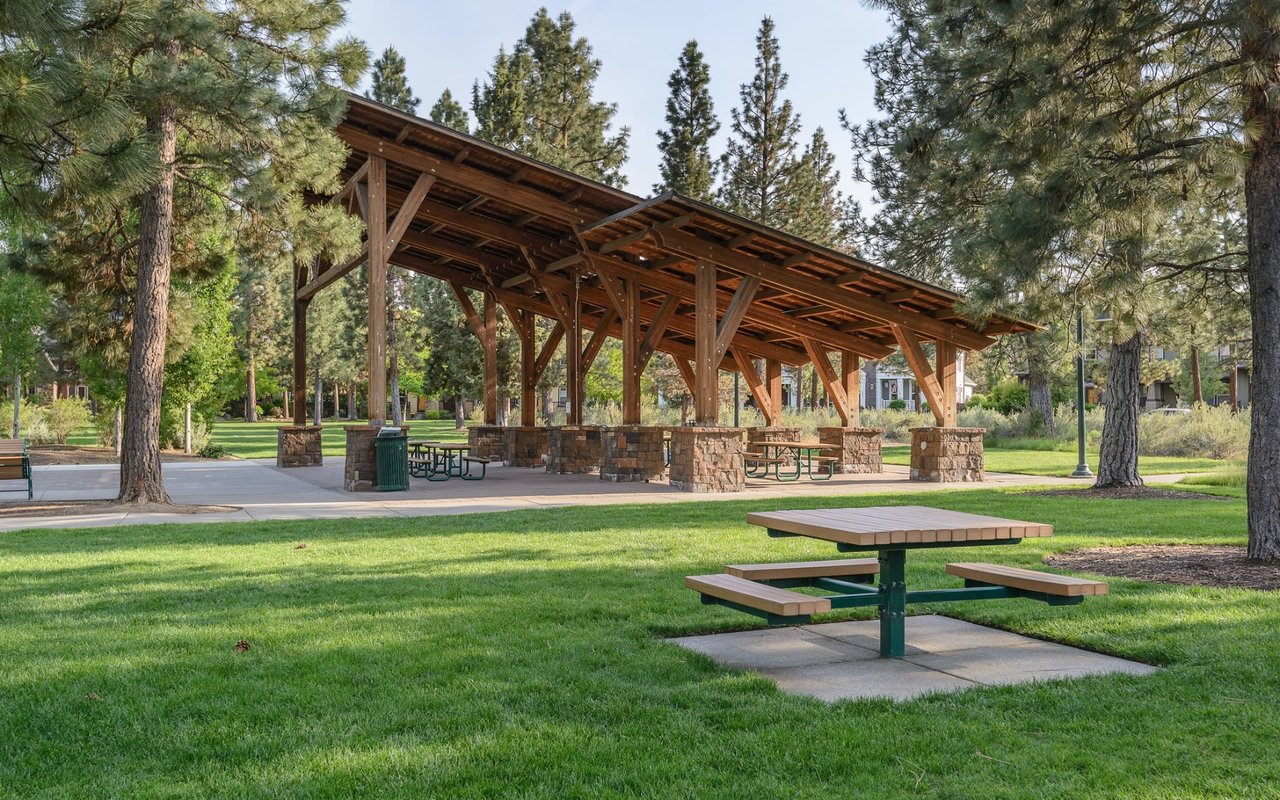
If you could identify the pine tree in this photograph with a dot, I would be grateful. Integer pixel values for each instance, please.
(390, 86)
(450, 113)
(760, 162)
(388, 83)
(539, 100)
(818, 205)
(255, 107)
(685, 143)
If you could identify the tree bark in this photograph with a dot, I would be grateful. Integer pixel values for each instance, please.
(1233, 380)
(1262, 201)
(186, 430)
(351, 400)
(1118, 463)
(317, 405)
(251, 378)
(17, 405)
(141, 478)
(1197, 387)
(119, 430)
(1039, 391)
(459, 417)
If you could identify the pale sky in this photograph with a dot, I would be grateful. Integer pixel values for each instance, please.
(822, 46)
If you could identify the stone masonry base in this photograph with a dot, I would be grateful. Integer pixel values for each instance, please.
(773, 433)
(486, 442)
(947, 455)
(299, 446)
(632, 453)
(573, 450)
(524, 446)
(859, 452)
(707, 460)
(361, 472)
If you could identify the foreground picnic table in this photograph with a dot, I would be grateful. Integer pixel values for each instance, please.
(889, 531)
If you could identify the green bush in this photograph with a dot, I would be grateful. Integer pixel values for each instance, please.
(898, 405)
(31, 423)
(1207, 432)
(442, 414)
(65, 416)
(212, 451)
(1006, 397)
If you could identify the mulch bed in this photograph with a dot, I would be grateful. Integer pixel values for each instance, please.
(1190, 565)
(46, 454)
(1129, 493)
(73, 508)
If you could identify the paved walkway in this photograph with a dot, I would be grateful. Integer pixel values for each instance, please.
(262, 491)
(841, 660)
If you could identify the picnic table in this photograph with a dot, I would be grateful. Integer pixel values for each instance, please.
(15, 464)
(889, 531)
(806, 455)
(440, 461)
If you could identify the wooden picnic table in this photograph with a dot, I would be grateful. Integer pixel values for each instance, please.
(440, 461)
(805, 458)
(890, 531)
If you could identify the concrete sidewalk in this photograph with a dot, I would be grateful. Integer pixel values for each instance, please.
(262, 491)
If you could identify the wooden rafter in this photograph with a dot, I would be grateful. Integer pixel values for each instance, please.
(830, 381)
(733, 315)
(919, 364)
(759, 391)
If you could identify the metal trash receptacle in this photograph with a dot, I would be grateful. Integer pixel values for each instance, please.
(391, 450)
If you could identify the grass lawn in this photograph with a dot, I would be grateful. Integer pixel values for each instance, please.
(258, 439)
(520, 655)
(1062, 464)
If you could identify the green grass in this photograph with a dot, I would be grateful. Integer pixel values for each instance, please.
(1061, 463)
(258, 439)
(521, 655)
(1233, 475)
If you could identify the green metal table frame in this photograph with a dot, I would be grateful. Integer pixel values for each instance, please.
(804, 458)
(891, 596)
(440, 466)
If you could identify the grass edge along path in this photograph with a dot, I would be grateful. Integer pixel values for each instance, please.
(1057, 463)
(520, 654)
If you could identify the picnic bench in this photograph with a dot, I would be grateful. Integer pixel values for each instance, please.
(765, 589)
(15, 464)
(440, 461)
(807, 454)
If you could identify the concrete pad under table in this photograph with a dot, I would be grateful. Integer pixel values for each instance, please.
(840, 660)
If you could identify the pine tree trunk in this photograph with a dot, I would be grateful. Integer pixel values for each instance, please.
(119, 431)
(1118, 462)
(317, 403)
(351, 400)
(1039, 392)
(251, 379)
(141, 478)
(1262, 200)
(459, 417)
(17, 405)
(799, 375)
(1233, 380)
(1197, 388)
(186, 431)
(336, 412)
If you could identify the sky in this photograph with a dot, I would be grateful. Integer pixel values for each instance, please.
(450, 45)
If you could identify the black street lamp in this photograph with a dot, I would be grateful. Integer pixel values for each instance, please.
(1082, 467)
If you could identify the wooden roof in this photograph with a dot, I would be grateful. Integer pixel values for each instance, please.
(497, 221)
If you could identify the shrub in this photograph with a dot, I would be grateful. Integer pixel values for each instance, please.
(898, 405)
(65, 416)
(896, 424)
(441, 414)
(212, 451)
(1006, 397)
(31, 423)
(1206, 432)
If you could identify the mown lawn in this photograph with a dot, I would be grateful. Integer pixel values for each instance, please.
(1062, 464)
(258, 439)
(521, 655)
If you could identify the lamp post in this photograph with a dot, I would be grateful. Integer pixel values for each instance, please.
(1082, 467)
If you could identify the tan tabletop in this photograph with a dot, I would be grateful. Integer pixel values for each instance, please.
(896, 525)
(800, 445)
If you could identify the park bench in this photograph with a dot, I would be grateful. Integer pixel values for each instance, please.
(15, 464)
(763, 589)
(467, 461)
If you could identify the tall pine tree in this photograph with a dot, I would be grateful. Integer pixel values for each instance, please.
(818, 210)
(450, 113)
(389, 84)
(685, 143)
(760, 163)
(234, 98)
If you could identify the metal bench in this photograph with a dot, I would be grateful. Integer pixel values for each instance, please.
(1026, 580)
(15, 464)
(774, 604)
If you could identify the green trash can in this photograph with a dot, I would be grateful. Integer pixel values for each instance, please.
(391, 449)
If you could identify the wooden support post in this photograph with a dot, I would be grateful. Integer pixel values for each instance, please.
(299, 362)
(773, 379)
(926, 381)
(830, 381)
(523, 320)
(632, 361)
(706, 395)
(851, 377)
(946, 367)
(759, 391)
(573, 361)
(490, 341)
(377, 225)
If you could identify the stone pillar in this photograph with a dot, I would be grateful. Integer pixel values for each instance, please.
(707, 460)
(361, 472)
(859, 451)
(632, 453)
(774, 433)
(573, 449)
(947, 455)
(298, 446)
(486, 441)
(524, 445)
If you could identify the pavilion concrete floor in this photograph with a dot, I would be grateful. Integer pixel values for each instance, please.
(841, 661)
(262, 491)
